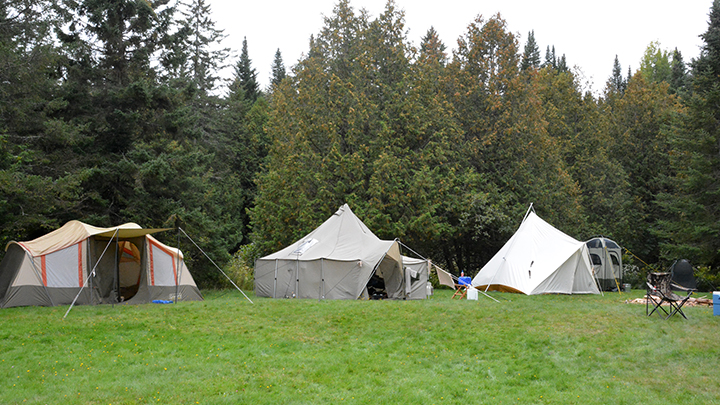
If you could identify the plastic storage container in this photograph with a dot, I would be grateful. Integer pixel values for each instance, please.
(472, 293)
(716, 303)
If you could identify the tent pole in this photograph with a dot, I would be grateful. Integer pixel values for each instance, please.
(90, 275)
(177, 268)
(117, 270)
(528, 211)
(216, 266)
(322, 278)
(275, 282)
(297, 276)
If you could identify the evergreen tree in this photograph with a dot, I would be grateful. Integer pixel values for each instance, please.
(616, 83)
(562, 66)
(531, 54)
(431, 47)
(245, 85)
(204, 58)
(693, 227)
(278, 69)
(678, 75)
(550, 58)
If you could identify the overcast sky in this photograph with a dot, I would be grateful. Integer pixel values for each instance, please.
(589, 33)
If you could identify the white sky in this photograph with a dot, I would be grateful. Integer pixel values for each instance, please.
(589, 33)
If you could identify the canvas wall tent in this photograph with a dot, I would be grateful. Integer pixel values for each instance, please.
(606, 258)
(340, 259)
(539, 259)
(134, 268)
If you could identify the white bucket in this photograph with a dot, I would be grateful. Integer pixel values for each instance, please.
(472, 293)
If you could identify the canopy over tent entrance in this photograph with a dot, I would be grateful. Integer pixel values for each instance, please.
(340, 259)
(96, 265)
(539, 259)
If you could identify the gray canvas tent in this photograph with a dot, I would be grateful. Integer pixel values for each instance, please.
(340, 259)
(96, 265)
(606, 258)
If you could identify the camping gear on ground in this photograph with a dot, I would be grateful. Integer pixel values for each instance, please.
(92, 265)
(683, 274)
(539, 259)
(340, 259)
(716, 303)
(472, 293)
(606, 258)
(659, 292)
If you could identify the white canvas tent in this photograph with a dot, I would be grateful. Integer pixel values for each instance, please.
(337, 261)
(129, 266)
(539, 259)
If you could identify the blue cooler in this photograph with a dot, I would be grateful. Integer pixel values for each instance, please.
(716, 303)
(465, 280)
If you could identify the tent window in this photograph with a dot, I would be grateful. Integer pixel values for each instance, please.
(615, 261)
(595, 259)
(305, 246)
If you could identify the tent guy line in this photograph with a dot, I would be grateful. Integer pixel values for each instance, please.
(92, 273)
(216, 266)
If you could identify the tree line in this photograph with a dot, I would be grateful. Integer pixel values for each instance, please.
(114, 111)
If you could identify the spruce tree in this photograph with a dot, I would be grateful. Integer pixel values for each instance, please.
(245, 83)
(693, 228)
(278, 69)
(204, 58)
(531, 54)
(678, 74)
(616, 83)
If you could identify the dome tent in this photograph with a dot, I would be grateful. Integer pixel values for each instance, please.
(98, 265)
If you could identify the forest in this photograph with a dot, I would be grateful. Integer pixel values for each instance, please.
(114, 111)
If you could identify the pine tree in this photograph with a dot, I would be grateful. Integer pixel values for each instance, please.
(278, 69)
(531, 54)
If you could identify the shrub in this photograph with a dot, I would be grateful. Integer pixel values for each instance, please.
(242, 266)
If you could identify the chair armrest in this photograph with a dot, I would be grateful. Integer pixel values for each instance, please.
(681, 288)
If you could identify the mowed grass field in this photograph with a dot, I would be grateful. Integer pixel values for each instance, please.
(551, 349)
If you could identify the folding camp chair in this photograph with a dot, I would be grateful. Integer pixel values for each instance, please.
(659, 292)
(461, 287)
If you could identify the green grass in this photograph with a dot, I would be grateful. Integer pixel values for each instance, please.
(529, 350)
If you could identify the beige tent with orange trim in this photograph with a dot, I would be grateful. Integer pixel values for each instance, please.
(122, 264)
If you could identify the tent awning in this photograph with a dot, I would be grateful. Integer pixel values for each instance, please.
(76, 231)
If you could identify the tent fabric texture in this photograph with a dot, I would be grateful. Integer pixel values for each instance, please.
(606, 258)
(539, 259)
(341, 259)
(122, 264)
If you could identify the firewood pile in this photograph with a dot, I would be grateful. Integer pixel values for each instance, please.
(691, 302)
